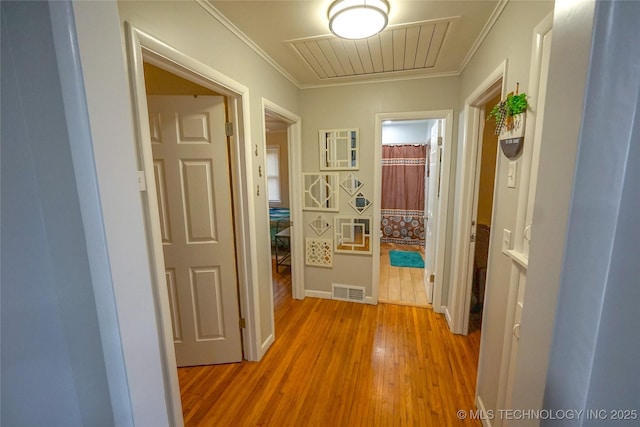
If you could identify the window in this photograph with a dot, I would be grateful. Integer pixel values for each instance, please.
(273, 173)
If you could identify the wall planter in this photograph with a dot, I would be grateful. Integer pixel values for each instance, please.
(512, 139)
(509, 116)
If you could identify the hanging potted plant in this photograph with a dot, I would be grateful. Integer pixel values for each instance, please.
(509, 116)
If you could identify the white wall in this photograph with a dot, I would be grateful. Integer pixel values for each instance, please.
(594, 305)
(593, 363)
(509, 39)
(52, 360)
(187, 27)
(407, 131)
(355, 106)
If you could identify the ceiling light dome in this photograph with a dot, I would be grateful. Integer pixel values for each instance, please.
(358, 19)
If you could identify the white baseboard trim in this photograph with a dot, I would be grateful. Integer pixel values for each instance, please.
(447, 316)
(441, 309)
(486, 421)
(370, 300)
(265, 346)
(317, 294)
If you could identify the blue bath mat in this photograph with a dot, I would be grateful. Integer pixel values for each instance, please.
(406, 259)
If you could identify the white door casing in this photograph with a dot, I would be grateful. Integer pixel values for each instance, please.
(441, 211)
(431, 217)
(193, 187)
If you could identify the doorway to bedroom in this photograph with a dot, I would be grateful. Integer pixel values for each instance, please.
(278, 193)
(407, 181)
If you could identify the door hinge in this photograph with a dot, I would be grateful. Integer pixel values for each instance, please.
(473, 237)
(228, 129)
(142, 181)
(432, 278)
(243, 323)
(439, 141)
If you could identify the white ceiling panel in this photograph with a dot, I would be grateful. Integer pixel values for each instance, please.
(399, 48)
(424, 38)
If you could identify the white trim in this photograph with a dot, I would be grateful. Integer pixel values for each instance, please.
(294, 140)
(217, 15)
(154, 51)
(443, 215)
(318, 294)
(267, 343)
(460, 289)
(483, 34)
(211, 10)
(519, 261)
(86, 178)
(486, 420)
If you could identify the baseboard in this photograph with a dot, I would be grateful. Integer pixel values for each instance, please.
(266, 344)
(441, 309)
(486, 421)
(447, 316)
(370, 300)
(317, 294)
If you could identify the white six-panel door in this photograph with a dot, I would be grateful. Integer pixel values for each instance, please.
(190, 157)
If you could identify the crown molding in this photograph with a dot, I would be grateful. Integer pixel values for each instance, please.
(483, 34)
(211, 10)
(215, 13)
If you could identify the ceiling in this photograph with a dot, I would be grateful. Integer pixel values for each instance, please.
(424, 38)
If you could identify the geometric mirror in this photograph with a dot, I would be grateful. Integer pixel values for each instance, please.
(360, 203)
(352, 235)
(351, 184)
(320, 224)
(320, 191)
(338, 149)
(318, 252)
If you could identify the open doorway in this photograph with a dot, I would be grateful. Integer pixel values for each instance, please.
(406, 147)
(485, 182)
(417, 230)
(277, 172)
(193, 186)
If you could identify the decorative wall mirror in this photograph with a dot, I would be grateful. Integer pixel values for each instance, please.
(338, 149)
(320, 224)
(360, 203)
(320, 191)
(352, 235)
(318, 252)
(351, 184)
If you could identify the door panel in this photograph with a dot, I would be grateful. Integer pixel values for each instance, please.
(194, 198)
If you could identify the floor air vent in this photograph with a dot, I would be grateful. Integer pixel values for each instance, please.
(347, 293)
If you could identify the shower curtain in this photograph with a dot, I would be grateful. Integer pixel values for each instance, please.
(403, 193)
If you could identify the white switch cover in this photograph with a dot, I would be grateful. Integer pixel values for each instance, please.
(506, 240)
(511, 175)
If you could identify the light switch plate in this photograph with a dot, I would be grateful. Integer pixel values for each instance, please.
(506, 240)
(511, 174)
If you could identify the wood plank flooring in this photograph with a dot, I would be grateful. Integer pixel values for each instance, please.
(339, 363)
(401, 285)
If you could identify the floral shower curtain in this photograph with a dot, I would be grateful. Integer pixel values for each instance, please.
(403, 195)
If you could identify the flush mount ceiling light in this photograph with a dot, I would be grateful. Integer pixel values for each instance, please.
(358, 19)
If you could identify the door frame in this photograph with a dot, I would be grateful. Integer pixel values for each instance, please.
(144, 47)
(294, 138)
(442, 212)
(457, 313)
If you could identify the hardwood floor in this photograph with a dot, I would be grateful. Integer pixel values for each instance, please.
(401, 285)
(340, 363)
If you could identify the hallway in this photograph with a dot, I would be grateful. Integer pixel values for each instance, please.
(341, 364)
